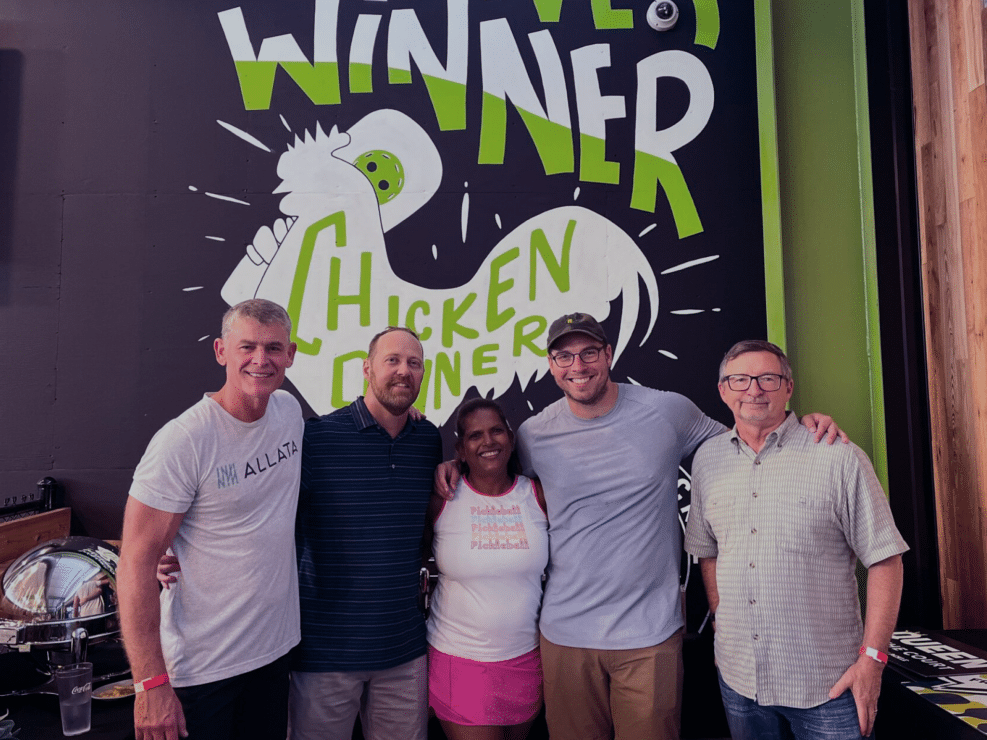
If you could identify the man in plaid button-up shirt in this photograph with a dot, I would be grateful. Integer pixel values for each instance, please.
(778, 524)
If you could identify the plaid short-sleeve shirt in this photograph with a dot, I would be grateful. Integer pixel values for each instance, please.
(786, 526)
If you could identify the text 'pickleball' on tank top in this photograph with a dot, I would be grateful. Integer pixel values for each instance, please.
(491, 552)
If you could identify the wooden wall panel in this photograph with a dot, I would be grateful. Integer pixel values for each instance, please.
(948, 71)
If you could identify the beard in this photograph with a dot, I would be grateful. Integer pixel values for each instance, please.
(395, 401)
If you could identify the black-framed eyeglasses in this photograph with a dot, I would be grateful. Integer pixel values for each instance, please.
(767, 382)
(588, 355)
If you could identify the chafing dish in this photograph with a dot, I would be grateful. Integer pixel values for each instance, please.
(60, 596)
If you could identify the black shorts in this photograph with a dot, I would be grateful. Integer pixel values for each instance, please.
(251, 706)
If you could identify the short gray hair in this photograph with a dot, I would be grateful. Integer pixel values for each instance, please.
(755, 345)
(260, 310)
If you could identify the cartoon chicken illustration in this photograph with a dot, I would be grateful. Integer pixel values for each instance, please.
(326, 262)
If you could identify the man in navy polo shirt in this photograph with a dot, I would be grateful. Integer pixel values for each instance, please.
(366, 482)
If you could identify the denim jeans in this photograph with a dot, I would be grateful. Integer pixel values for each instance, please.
(748, 720)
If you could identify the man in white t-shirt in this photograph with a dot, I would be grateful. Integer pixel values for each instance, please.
(219, 486)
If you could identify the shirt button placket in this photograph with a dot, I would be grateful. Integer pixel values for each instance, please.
(753, 550)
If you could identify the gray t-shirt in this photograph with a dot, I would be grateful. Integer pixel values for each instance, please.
(615, 541)
(235, 606)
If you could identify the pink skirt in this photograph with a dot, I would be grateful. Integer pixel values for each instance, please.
(468, 692)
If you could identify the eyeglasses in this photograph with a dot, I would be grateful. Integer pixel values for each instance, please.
(767, 382)
(588, 355)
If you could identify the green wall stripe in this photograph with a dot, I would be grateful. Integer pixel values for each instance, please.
(774, 276)
(879, 453)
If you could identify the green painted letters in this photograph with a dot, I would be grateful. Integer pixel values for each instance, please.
(361, 78)
(451, 372)
(411, 323)
(593, 164)
(482, 359)
(552, 140)
(650, 170)
(496, 320)
(336, 220)
(525, 336)
(548, 10)
(557, 268)
(393, 309)
(319, 81)
(422, 400)
(337, 376)
(707, 22)
(448, 101)
(604, 16)
(336, 299)
(450, 320)
(493, 130)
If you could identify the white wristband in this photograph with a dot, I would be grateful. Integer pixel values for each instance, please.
(875, 654)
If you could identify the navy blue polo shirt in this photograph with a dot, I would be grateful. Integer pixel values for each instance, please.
(360, 519)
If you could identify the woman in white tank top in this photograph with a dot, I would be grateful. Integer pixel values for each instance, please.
(491, 547)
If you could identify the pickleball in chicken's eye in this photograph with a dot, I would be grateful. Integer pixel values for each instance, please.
(385, 172)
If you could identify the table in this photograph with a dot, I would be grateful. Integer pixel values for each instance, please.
(903, 713)
(37, 716)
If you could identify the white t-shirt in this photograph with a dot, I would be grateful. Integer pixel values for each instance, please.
(491, 552)
(235, 606)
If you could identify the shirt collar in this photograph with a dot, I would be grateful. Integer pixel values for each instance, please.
(361, 414)
(364, 419)
(777, 438)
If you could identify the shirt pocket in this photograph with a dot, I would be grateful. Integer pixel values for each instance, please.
(721, 513)
(805, 525)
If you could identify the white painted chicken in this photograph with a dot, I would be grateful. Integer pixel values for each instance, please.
(326, 262)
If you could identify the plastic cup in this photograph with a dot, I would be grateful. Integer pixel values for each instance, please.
(75, 695)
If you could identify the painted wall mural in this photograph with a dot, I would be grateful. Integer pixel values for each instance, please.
(469, 168)
(592, 263)
(522, 87)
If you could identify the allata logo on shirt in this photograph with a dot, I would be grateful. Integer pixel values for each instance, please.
(226, 475)
(270, 459)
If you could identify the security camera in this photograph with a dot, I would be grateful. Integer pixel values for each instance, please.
(663, 15)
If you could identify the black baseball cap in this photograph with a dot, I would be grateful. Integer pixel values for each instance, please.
(575, 322)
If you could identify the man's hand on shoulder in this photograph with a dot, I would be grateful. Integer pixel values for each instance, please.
(863, 679)
(824, 426)
(158, 715)
(446, 479)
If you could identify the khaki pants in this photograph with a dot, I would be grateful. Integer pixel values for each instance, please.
(392, 704)
(623, 694)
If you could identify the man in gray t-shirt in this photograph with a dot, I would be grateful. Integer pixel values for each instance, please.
(611, 622)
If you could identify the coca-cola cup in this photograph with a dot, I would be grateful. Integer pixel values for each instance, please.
(75, 697)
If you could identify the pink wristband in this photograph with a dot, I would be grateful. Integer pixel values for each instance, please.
(875, 654)
(150, 683)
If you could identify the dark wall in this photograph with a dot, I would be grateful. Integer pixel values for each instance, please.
(113, 258)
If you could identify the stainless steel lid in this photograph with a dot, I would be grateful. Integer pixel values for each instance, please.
(56, 588)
